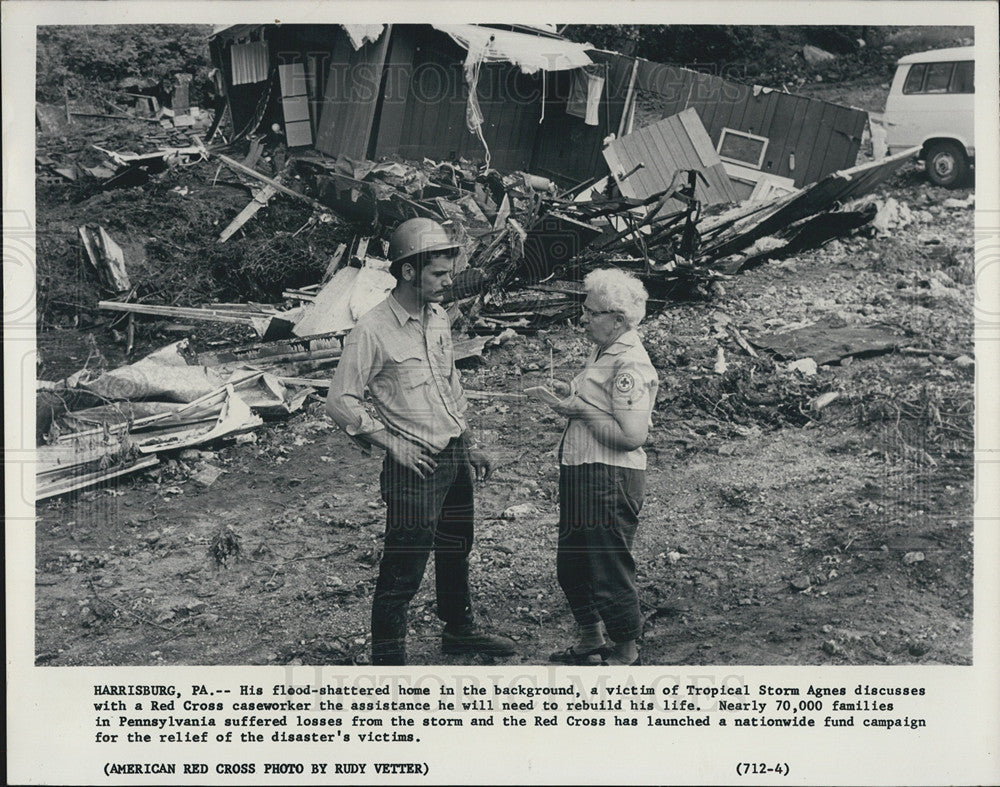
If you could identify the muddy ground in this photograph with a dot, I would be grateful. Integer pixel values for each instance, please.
(771, 533)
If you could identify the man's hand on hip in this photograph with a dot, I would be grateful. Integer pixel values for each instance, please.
(411, 456)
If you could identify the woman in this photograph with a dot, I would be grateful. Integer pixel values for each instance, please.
(602, 472)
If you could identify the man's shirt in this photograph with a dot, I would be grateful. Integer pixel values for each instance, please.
(621, 377)
(407, 366)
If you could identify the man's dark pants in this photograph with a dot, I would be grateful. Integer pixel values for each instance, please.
(424, 514)
(598, 515)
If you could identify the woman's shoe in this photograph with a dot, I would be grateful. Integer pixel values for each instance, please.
(579, 657)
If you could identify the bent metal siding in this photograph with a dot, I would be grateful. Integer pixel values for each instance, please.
(807, 138)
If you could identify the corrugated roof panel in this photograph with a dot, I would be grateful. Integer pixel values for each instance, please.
(250, 62)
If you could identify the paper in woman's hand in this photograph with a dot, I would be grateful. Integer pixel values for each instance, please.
(543, 394)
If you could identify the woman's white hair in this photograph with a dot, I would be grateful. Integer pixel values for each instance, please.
(621, 291)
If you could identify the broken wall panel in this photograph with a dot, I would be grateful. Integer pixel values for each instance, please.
(565, 147)
(806, 138)
(645, 162)
(433, 119)
(350, 101)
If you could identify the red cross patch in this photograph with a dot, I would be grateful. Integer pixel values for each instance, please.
(624, 382)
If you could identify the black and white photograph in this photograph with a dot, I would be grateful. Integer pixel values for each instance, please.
(744, 256)
(488, 347)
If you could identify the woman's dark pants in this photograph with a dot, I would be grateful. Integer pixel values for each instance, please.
(598, 514)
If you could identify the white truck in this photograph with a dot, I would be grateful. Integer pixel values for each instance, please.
(931, 104)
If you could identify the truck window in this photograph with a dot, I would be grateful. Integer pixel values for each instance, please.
(915, 78)
(962, 81)
(938, 77)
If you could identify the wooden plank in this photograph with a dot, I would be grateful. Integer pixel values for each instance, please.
(792, 139)
(730, 111)
(766, 121)
(629, 96)
(753, 116)
(44, 490)
(708, 88)
(778, 131)
(320, 384)
(263, 350)
(739, 111)
(673, 138)
(836, 145)
(306, 355)
(260, 199)
(177, 311)
(235, 165)
(845, 141)
(413, 115)
(699, 138)
(643, 181)
(686, 89)
(528, 130)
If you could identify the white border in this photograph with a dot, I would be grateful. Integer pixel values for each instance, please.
(47, 706)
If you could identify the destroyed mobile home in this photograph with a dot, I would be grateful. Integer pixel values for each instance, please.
(731, 177)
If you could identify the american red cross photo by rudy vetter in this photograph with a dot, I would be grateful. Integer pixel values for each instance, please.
(504, 344)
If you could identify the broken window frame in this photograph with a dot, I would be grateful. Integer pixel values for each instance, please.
(748, 135)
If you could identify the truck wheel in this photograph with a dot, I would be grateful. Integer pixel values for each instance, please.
(946, 164)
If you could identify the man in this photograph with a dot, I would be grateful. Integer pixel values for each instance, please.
(401, 353)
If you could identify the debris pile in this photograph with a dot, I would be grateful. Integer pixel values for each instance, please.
(314, 231)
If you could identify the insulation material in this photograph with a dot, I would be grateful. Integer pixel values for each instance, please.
(351, 293)
(530, 53)
(251, 62)
(362, 34)
(164, 374)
